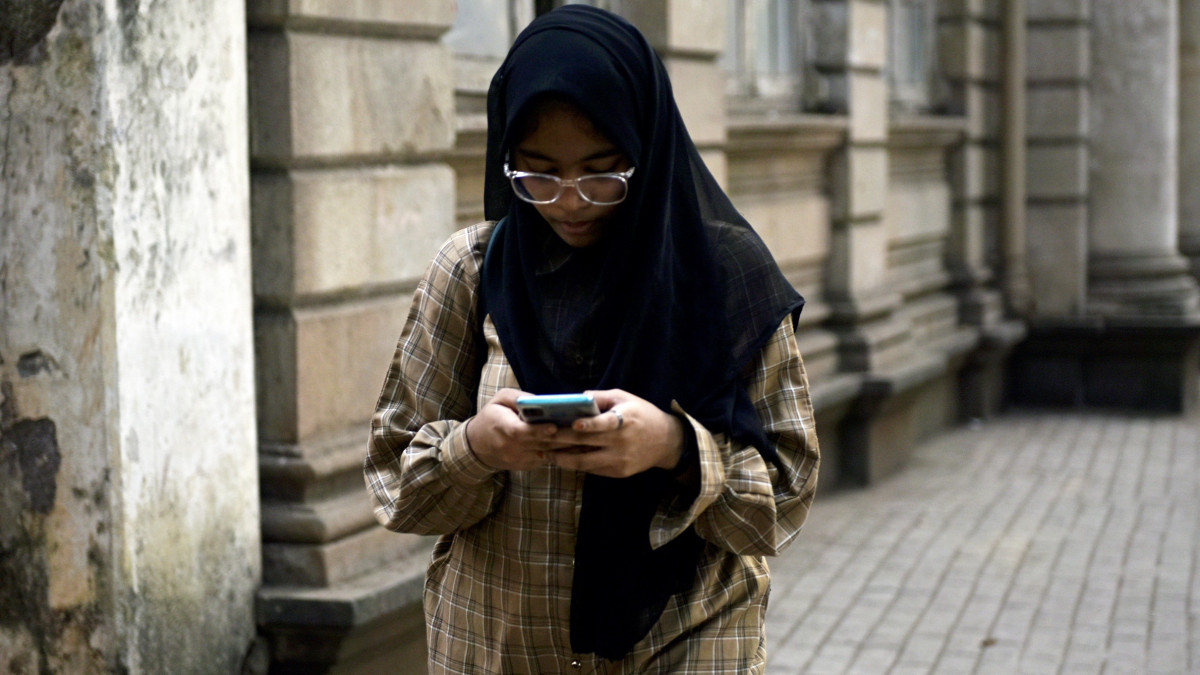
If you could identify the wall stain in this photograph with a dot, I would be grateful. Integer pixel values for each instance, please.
(29, 448)
(30, 364)
(36, 445)
(26, 23)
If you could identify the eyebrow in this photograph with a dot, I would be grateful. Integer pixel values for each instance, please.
(603, 154)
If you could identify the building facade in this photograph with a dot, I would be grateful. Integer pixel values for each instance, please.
(214, 215)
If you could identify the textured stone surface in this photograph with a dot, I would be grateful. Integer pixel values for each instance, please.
(411, 17)
(1134, 126)
(868, 107)
(1058, 53)
(1059, 10)
(126, 369)
(321, 368)
(868, 34)
(693, 80)
(320, 232)
(335, 563)
(679, 25)
(1057, 171)
(1003, 553)
(318, 97)
(860, 182)
(1057, 113)
(1189, 129)
(1057, 250)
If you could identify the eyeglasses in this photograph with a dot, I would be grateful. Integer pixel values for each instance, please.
(601, 189)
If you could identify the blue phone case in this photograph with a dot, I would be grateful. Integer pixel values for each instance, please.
(560, 409)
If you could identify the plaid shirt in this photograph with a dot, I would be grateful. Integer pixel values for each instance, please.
(498, 586)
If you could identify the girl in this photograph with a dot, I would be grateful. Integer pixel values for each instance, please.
(612, 262)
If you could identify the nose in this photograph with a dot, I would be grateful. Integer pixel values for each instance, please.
(571, 199)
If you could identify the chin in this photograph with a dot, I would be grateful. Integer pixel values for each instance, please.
(578, 235)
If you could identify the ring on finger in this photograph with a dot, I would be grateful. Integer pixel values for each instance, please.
(620, 418)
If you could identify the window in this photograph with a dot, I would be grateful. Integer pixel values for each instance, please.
(766, 54)
(913, 57)
(483, 30)
(613, 6)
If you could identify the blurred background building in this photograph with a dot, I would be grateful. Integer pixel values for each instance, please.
(214, 214)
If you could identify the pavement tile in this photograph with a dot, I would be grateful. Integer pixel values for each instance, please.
(1037, 542)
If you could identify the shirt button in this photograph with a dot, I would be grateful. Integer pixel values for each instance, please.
(576, 664)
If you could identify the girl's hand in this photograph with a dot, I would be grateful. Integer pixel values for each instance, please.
(503, 441)
(629, 436)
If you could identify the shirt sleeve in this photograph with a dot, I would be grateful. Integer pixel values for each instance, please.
(419, 468)
(745, 504)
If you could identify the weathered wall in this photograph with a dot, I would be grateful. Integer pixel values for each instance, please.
(129, 527)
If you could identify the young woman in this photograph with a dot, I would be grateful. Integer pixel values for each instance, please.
(611, 262)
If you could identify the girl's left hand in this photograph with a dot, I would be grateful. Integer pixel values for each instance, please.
(629, 436)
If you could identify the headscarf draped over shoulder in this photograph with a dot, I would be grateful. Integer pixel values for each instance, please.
(687, 295)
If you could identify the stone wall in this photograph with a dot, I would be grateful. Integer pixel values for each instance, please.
(129, 519)
(350, 106)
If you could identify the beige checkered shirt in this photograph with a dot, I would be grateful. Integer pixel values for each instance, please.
(498, 586)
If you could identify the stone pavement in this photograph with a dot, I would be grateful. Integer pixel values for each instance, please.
(1033, 543)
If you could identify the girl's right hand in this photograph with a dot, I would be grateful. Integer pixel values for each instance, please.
(503, 441)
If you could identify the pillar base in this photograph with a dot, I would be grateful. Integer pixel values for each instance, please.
(1147, 365)
(1134, 286)
(374, 624)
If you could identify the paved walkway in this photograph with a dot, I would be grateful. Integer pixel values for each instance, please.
(1034, 543)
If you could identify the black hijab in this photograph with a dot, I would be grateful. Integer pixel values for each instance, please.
(687, 295)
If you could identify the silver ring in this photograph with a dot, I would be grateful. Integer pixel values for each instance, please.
(620, 418)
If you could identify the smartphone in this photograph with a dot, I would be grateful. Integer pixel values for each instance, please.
(560, 409)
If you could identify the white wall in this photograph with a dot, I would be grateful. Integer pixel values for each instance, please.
(126, 351)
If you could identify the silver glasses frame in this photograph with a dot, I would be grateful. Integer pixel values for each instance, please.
(512, 177)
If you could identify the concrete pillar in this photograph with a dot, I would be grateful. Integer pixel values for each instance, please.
(974, 82)
(1189, 133)
(689, 35)
(1058, 57)
(1131, 337)
(1012, 257)
(129, 509)
(350, 104)
(857, 284)
(1134, 266)
(874, 336)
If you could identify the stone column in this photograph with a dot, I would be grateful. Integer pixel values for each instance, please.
(1013, 210)
(1131, 338)
(988, 179)
(1134, 266)
(1058, 58)
(129, 506)
(974, 83)
(350, 104)
(1189, 133)
(874, 339)
(857, 284)
(689, 36)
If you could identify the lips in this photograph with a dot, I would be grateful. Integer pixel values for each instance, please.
(576, 226)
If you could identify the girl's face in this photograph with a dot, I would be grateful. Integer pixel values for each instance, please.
(563, 142)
